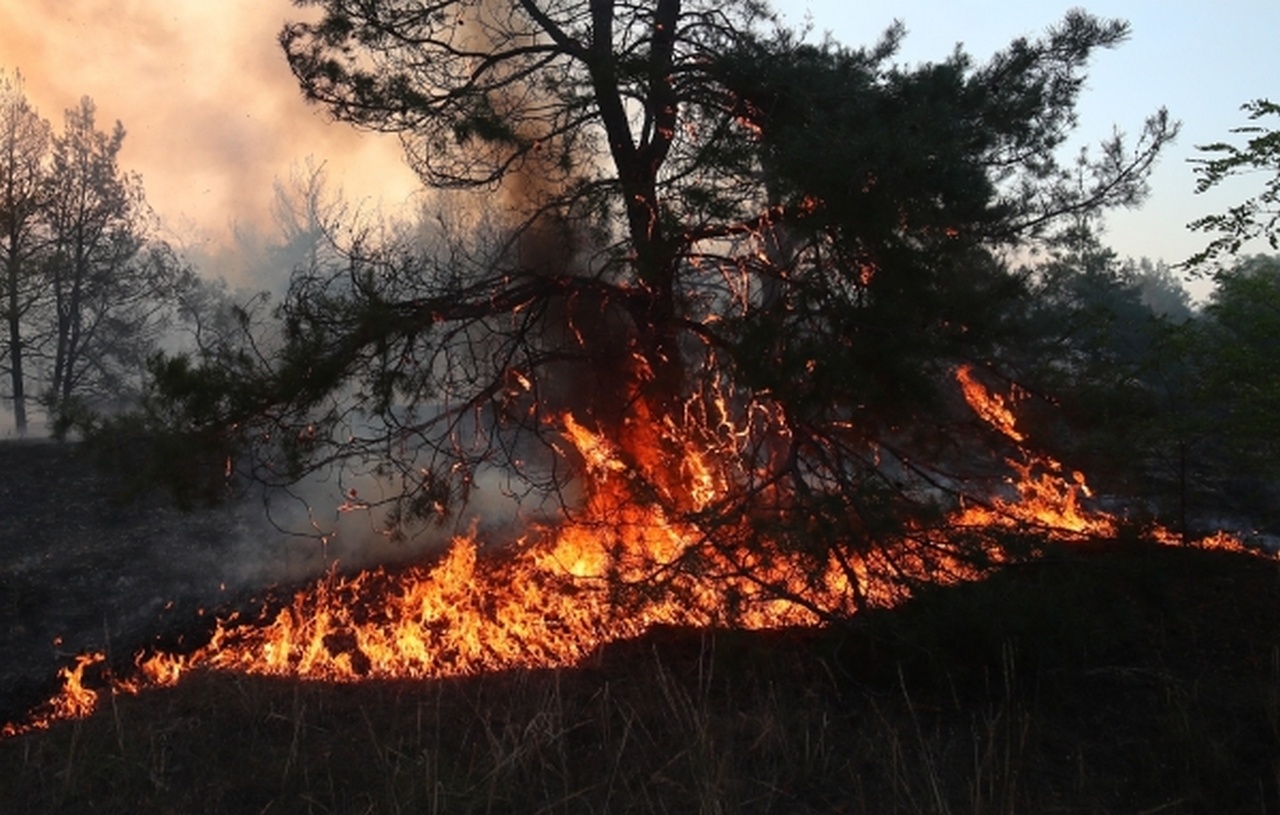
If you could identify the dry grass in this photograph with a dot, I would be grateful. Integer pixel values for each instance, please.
(1123, 680)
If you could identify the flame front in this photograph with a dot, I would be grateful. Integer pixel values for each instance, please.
(566, 590)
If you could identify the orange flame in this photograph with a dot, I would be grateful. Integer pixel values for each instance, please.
(567, 590)
(991, 407)
(1046, 497)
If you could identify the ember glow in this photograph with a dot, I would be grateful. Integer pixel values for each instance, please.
(566, 590)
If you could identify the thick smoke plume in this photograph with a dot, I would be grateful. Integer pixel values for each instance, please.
(215, 119)
(342, 515)
(586, 327)
(212, 112)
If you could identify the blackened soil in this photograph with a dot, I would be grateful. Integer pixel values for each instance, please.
(81, 569)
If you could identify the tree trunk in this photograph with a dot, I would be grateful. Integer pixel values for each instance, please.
(15, 353)
(654, 308)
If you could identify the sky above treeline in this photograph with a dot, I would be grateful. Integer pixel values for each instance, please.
(214, 116)
(1201, 59)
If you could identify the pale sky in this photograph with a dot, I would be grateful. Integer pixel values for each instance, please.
(1201, 59)
(214, 116)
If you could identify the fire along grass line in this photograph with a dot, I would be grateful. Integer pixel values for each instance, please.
(555, 600)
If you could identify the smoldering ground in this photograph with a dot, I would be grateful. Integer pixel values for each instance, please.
(83, 570)
(80, 571)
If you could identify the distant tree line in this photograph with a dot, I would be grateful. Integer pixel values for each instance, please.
(1170, 405)
(87, 292)
(1166, 405)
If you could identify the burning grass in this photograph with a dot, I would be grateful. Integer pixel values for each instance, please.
(560, 680)
(591, 580)
(1109, 678)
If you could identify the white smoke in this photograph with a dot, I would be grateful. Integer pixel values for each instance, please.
(212, 113)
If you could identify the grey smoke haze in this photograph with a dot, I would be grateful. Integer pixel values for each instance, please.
(307, 529)
(212, 112)
(215, 120)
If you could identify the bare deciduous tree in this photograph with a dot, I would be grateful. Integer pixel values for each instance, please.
(24, 190)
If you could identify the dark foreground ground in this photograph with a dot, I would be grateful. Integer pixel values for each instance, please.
(80, 570)
(1110, 679)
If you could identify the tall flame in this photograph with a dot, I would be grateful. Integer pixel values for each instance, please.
(566, 590)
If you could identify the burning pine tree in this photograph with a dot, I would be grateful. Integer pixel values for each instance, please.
(706, 298)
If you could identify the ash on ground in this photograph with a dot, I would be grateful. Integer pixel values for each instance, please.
(83, 570)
